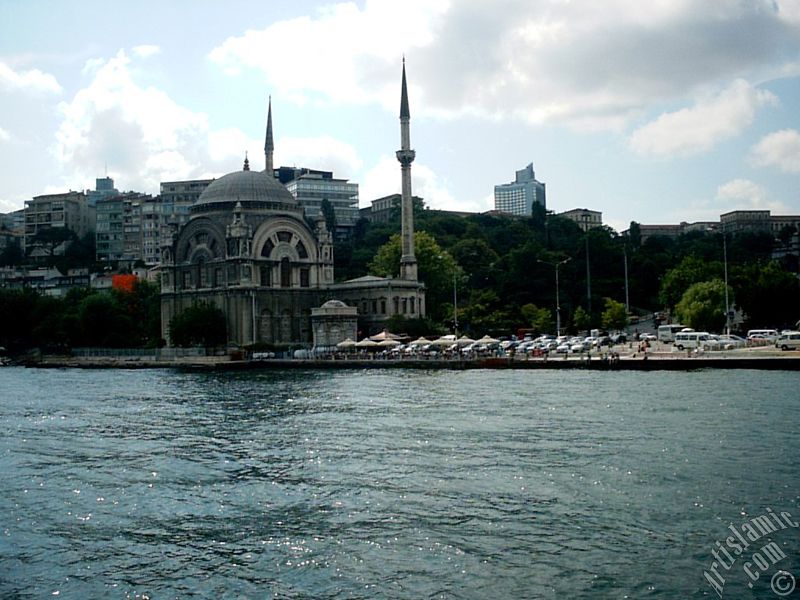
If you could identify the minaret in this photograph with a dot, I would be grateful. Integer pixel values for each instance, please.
(269, 146)
(408, 263)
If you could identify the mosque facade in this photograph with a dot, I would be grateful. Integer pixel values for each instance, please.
(248, 249)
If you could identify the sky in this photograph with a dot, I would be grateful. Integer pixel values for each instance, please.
(659, 112)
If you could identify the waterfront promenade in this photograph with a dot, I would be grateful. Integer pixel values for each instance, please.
(765, 358)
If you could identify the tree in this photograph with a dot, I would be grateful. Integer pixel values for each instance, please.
(614, 315)
(691, 270)
(11, 255)
(326, 208)
(768, 295)
(104, 322)
(199, 325)
(635, 235)
(786, 233)
(702, 306)
(581, 319)
(540, 319)
(435, 267)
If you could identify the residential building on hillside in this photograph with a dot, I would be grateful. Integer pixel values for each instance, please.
(69, 210)
(585, 218)
(177, 197)
(118, 232)
(519, 196)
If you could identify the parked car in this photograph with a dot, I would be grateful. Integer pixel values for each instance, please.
(618, 338)
(734, 341)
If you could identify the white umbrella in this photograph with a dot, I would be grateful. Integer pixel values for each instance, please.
(346, 343)
(366, 343)
(384, 335)
(420, 342)
(388, 343)
(464, 341)
(488, 340)
(442, 342)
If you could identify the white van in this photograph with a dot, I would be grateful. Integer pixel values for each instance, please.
(695, 339)
(789, 340)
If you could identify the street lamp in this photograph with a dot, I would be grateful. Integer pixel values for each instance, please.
(725, 263)
(455, 299)
(455, 307)
(558, 303)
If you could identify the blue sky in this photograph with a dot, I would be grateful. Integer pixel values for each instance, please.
(657, 111)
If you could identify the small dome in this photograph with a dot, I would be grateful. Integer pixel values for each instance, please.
(246, 186)
(334, 304)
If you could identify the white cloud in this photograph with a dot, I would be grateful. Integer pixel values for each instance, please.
(323, 152)
(139, 132)
(778, 149)
(145, 50)
(590, 65)
(4, 135)
(33, 80)
(342, 55)
(745, 194)
(697, 129)
(384, 179)
(145, 137)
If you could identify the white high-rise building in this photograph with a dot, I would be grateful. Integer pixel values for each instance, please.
(519, 196)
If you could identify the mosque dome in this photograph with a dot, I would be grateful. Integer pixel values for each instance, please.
(247, 187)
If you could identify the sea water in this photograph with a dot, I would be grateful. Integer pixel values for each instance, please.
(393, 484)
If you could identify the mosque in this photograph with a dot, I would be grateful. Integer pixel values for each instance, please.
(248, 249)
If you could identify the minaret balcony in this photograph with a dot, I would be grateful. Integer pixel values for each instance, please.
(406, 157)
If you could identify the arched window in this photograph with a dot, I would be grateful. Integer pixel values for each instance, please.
(301, 250)
(286, 273)
(267, 249)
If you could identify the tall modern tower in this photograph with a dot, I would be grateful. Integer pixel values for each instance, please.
(269, 145)
(408, 263)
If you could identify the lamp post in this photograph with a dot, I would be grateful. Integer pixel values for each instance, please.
(725, 266)
(625, 258)
(455, 306)
(455, 299)
(558, 303)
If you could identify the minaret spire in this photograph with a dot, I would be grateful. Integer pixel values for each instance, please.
(269, 145)
(408, 262)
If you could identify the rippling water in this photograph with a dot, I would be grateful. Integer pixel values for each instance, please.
(477, 484)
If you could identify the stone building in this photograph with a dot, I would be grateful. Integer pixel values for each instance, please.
(248, 249)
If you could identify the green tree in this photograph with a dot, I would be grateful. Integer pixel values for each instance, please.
(614, 315)
(326, 208)
(12, 254)
(702, 306)
(691, 270)
(786, 233)
(581, 319)
(104, 322)
(435, 267)
(199, 325)
(768, 295)
(635, 235)
(540, 319)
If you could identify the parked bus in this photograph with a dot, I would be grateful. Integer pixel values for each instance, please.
(666, 333)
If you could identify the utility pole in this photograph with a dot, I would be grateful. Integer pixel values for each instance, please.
(588, 277)
(558, 302)
(625, 257)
